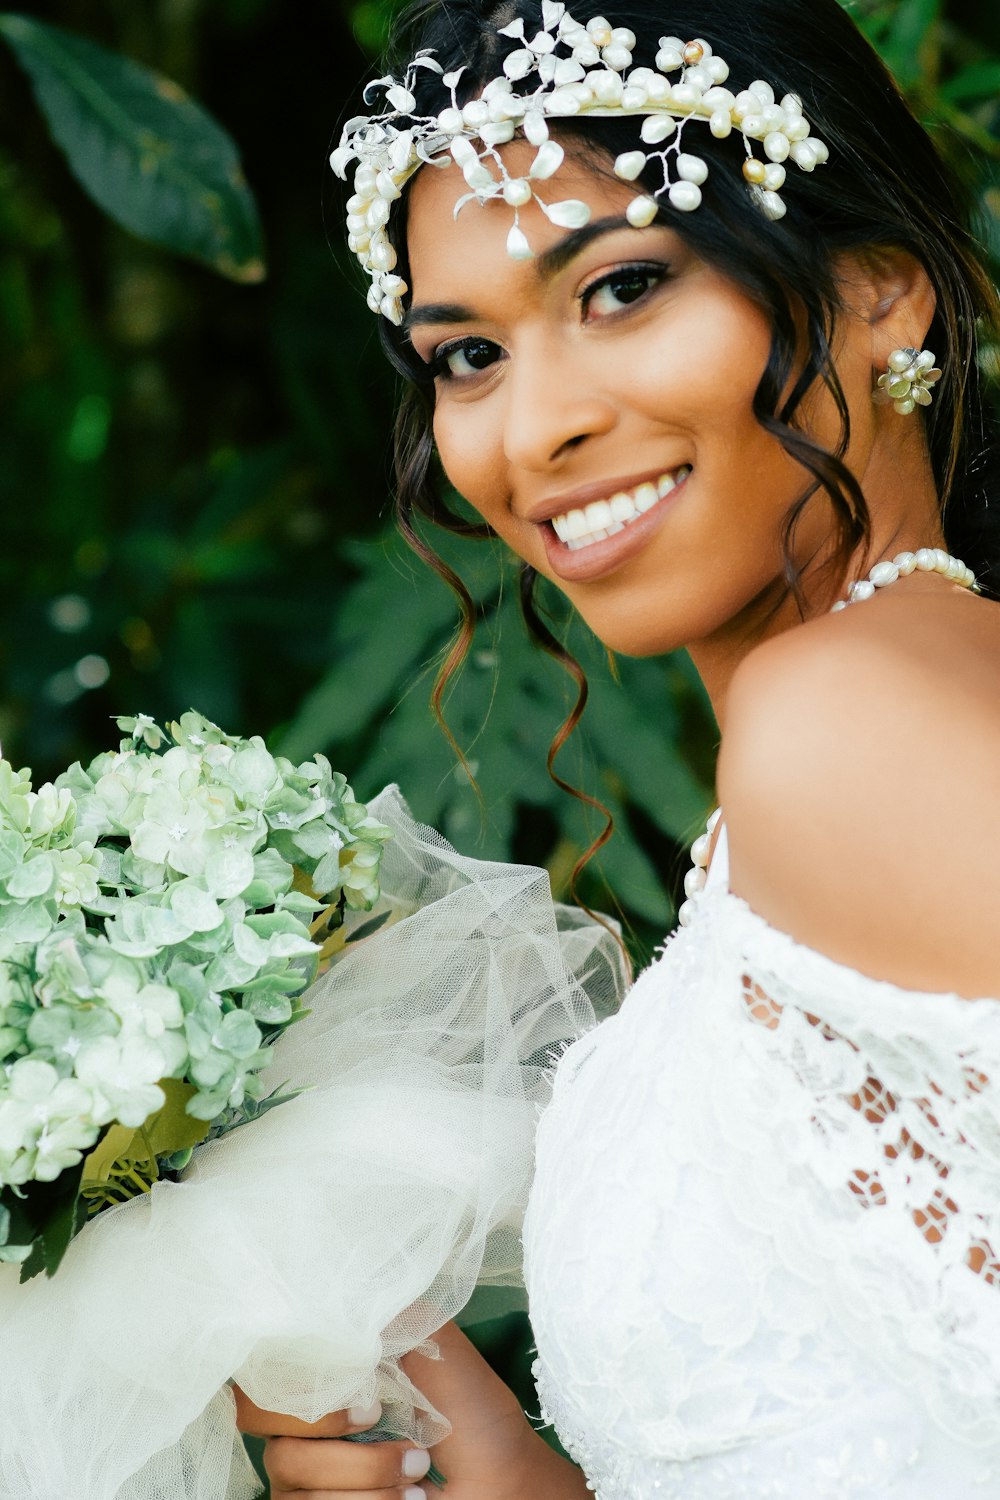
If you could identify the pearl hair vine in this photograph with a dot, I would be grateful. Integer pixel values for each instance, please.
(567, 68)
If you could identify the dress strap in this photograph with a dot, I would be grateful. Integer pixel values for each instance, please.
(718, 870)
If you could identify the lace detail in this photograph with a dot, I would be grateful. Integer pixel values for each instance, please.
(761, 1244)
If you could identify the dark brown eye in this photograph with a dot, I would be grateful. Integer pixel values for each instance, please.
(468, 357)
(621, 288)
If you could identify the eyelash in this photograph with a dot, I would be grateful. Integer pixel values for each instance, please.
(437, 366)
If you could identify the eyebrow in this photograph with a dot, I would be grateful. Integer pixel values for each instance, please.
(547, 264)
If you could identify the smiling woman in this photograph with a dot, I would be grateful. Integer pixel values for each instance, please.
(667, 304)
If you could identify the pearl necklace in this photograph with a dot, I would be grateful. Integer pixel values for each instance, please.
(926, 560)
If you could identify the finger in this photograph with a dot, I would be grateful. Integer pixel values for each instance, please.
(304, 1464)
(256, 1422)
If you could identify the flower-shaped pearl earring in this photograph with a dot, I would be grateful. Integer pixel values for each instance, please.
(907, 384)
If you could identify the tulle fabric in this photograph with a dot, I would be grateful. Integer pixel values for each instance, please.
(304, 1254)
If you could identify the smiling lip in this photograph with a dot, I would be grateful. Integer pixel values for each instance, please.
(598, 558)
(599, 490)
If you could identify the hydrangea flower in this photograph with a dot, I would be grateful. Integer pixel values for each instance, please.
(156, 909)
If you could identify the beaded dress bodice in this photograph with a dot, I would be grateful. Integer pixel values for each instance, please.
(761, 1245)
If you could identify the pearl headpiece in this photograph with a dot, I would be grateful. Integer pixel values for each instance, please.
(567, 68)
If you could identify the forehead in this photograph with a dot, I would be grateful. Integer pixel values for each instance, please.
(446, 250)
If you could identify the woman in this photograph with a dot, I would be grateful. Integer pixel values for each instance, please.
(645, 320)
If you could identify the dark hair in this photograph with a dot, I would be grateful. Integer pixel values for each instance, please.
(886, 186)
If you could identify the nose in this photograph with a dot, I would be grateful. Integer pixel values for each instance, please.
(555, 403)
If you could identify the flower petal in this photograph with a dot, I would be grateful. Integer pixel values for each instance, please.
(548, 160)
(571, 213)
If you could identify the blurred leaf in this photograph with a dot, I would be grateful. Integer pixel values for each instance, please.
(371, 712)
(372, 22)
(151, 157)
(910, 42)
(979, 81)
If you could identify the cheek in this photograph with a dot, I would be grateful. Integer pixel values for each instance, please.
(468, 443)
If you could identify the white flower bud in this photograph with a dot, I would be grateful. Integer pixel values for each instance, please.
(641, 211)
(617, 57)
(571, 213)
(382, 255)
(629, 165)
(535, 128)
(691, 168)
(517, 192)
(517, 245)
(657, 128)
(548, 160)
(519, 64)
(475, 113)
(685, 196)
(497, 134)
(685, 94)
(607, 87)
(634, 97)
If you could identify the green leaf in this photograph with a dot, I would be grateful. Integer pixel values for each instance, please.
(154, 160)
(910, 48)
(368, 929)
(50, 1247)
(45, 1215)
(979, 81)
(170, 1130)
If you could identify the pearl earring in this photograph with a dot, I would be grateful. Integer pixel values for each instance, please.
(908, 381)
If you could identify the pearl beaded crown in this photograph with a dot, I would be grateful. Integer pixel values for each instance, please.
(566, 68)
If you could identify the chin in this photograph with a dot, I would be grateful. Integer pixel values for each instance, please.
(640, 638)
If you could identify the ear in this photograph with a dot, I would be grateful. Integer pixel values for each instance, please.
(891, 291)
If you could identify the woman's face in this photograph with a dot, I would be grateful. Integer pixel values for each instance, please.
(605, 386)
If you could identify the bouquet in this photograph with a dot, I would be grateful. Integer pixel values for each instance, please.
(161, 913)
(164, 915)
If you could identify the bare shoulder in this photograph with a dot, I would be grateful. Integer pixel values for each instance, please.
(860, 776)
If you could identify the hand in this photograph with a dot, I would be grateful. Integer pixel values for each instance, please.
(492, 1452)
(312, 1459)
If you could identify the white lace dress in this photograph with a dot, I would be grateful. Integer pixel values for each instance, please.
(761, 1246)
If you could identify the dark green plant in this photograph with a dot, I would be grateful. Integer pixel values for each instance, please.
(146, 153)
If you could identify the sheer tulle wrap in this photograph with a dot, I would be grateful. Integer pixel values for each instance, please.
(304, 1254)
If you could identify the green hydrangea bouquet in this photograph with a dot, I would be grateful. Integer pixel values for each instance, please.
(161, 913)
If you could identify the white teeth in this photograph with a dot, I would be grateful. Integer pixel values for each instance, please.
(604, 518)
(598, 515)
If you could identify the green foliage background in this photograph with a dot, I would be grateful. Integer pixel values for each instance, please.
(193, 494)
(193, 490)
